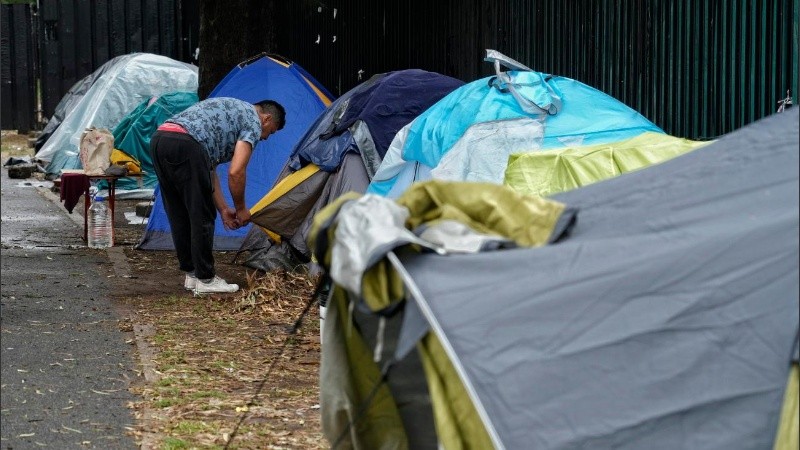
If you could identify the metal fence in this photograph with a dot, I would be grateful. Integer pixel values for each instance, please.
(697, 68)
(58, 42)
(17, 62)
(78, 36)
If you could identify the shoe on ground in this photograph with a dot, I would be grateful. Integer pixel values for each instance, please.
(190, 282)
(215, 286)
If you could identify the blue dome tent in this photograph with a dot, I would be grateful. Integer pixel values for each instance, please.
(259, 78)
(469, 134)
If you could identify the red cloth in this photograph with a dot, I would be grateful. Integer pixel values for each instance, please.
(73, 185)
(173, 127)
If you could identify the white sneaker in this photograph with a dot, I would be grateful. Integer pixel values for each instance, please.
(190, 282)
(215, 286)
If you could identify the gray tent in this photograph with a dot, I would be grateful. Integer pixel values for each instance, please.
(665, 318)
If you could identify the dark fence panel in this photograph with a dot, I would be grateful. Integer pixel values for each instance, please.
(17, 70)
(344, 42)
(697, 68)
(78, 36)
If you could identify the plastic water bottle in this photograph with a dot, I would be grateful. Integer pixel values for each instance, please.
(99, 224)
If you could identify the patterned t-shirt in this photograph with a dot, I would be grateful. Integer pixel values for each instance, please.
(217, 123)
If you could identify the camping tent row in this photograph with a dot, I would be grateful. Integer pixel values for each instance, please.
(655, 309)
(391, 130)
(412, 125)
(640, 293)
(133, 94)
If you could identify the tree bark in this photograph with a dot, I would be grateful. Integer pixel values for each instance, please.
(230, 33)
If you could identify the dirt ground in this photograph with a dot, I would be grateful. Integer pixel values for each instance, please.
(226, 371)
(227, 362)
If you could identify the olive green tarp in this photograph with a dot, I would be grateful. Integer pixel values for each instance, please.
(496, 216)
(551, 171)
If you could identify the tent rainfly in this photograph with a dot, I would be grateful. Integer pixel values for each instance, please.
(657, 309)
(121, 87)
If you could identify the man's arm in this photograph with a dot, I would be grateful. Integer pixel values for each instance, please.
(228, 214)
(237, 178)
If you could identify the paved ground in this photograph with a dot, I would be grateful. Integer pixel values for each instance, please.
(66, 363)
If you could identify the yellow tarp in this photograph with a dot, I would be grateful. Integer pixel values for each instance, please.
(787, 437)
(544, 173)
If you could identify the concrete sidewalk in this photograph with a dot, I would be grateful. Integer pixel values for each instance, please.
(66, 365)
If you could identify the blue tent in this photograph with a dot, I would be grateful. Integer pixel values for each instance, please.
(469, 134)
(259, 78)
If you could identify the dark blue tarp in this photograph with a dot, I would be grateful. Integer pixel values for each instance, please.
(385, 103)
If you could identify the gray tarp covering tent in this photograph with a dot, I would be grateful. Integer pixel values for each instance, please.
(71, 98)
(666, 319)
(131, 79)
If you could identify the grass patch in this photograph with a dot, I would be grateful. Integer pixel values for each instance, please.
(166, 381)
(206, 394)
(192, 427)
(166, 402)
(13, 144)
(171, 443)
(169, 391)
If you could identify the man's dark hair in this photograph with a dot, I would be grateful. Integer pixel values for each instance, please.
(274, 108)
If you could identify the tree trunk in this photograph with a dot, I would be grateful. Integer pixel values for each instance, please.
(231, 32)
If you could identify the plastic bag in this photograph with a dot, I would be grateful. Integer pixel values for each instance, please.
(95, 153)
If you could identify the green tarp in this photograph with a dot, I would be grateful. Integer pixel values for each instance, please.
(133, 134)
(548, 172)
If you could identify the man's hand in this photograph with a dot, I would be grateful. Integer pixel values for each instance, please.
(229, 219)
(243, 216)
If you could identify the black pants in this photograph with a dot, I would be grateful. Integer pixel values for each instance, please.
(184, 177)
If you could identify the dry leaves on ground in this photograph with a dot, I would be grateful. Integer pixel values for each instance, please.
(231, 361)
